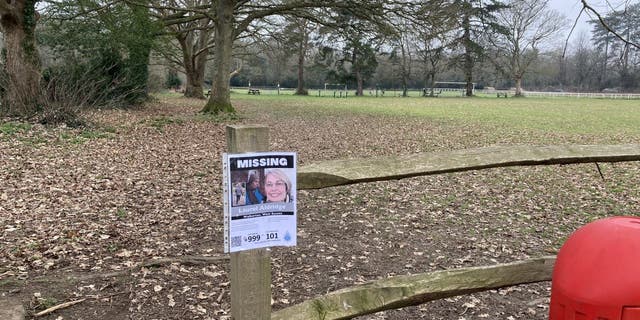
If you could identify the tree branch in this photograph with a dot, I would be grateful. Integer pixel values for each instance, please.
(58, 307)
(575, 23)
(606, 26)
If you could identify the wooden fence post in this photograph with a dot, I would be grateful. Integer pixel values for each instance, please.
(250, 270)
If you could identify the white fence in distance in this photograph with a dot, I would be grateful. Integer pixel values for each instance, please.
(450, 92)
(591, 95)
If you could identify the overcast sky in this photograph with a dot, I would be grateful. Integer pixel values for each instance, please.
(571, 9)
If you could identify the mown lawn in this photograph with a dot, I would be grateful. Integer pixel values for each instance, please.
(560, 115)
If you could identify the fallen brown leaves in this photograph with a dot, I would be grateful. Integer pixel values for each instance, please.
(145, 186)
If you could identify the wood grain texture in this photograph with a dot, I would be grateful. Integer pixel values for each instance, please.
(250, 270)
(343, 172)
(403, 291)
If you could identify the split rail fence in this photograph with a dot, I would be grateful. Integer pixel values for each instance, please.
(402, 291)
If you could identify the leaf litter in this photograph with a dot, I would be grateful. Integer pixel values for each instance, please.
(81, 217)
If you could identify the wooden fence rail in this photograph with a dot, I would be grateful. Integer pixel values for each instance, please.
(342, 172)
(402, 291)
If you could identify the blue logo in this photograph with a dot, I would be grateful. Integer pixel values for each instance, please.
(287, 237)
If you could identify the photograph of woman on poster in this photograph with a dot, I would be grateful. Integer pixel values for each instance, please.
(254, 194)
(277, 186)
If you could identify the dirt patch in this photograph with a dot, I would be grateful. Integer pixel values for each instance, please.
(82, 210)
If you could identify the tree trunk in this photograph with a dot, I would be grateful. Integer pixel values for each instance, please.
(518, 80)
(626, 79)
(468, 58)
(602, 78)
(220, 99)
(22, 95)
(194, 87)
(405, 89)
(195, 63)
(405, 68)
(432, 76)
(300, 90)
(426, 85)
(562, 76)
(302, 50)
(356, 70)
(404, 79)
(359, 91)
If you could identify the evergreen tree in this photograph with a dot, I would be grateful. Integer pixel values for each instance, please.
(104, 46)
(620, 55)
(476, 18)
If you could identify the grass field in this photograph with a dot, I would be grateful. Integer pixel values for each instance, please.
(560, 115)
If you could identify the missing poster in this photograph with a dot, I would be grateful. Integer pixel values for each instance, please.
(259, 200)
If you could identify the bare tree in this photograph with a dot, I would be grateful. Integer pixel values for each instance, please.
(228, 21)
(431, 34)
(402, 42)
(422, 41)
(232, 17)
(529, 25)
(585, 64)
(303, 27)
(432, 55)
(194, 38)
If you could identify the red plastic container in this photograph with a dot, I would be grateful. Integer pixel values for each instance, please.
(597, 273)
